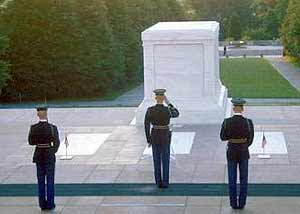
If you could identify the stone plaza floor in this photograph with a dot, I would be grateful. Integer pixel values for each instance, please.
(120, 159)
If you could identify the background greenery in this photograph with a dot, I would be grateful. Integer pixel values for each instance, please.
(290, 30)
(254, 77)
(60, 48)
(246, 19)
(65, 49)
(4, 73)
(253, 20)
(70, 49)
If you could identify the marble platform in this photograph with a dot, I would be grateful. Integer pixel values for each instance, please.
(181, 143)
(81, 143)
(120, 160)
(276, 143)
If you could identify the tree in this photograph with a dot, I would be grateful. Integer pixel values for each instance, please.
(145, 13)
(269, 15)
(281, 8)
(235, 30)
(60, 49)
(129, 18)
(223, 11)
(126, 36)
(290, 29)
(4, 72)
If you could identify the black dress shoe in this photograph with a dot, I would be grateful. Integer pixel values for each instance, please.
(241, 207)
(164, 186)
(51, 208)
(235, 207)
(161, 186)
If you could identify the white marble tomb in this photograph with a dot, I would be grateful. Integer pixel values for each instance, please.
(183, 58)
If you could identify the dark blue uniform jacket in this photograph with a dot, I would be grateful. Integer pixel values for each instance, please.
(44, 134)
(159, 115)
(237, 127)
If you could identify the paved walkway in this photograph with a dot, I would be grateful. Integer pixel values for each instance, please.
(288, 71)
(152, 205)
(120, 161)
(273, 101)
(129, 99)
(251, 50)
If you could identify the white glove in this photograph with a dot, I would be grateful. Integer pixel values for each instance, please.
(167, 100)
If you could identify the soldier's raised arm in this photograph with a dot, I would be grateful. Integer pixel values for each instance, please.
(173, 111)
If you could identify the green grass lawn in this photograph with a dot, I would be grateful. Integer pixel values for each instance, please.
(254, 78)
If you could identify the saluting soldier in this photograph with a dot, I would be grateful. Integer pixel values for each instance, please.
(44, 136)
(160, 135)
(239, 132)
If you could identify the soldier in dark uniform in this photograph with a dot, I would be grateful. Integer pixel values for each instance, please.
(44, 136)
(239, 133)
(160, 135)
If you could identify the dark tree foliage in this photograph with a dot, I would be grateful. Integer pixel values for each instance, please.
(235, 28)
(60, 49)
(145, 13)
(4, 72)
(290, 29)
(269, 15)
(71, 48)
(225, 12)
(127, 38)
(259, 19)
